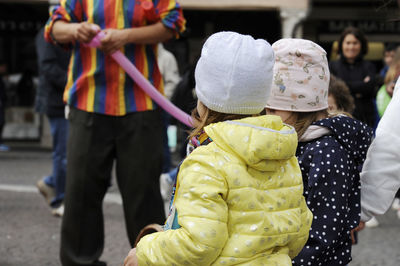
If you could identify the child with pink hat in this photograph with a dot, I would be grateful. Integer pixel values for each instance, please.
(331, 149)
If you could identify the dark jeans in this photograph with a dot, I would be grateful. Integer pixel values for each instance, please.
(134, 141)
(59, 133)
(166, 152)
(2, 121)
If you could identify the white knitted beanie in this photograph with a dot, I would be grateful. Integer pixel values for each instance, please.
(234, 73)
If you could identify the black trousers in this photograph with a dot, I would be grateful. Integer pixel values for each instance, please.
(2, 121)
(95, 141)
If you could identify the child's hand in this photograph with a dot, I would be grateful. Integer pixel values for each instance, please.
(131, 259)
(390, 88)
(360, 226)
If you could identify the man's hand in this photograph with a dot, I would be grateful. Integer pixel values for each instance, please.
(131, 259)
(113, 40)
(85, 32)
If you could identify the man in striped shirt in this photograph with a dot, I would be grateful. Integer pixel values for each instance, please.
(111, 118)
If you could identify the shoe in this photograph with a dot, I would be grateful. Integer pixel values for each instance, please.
(59, 211)
(4, 147)
(396, 204)
(47, 191)
(166, 185)
(372, 223)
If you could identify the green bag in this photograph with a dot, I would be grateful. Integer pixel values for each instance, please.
(382, 100)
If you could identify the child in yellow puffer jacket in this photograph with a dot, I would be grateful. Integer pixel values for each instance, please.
(239, 194)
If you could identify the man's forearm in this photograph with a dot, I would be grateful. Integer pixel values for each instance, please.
(64, 32)
(150, 34)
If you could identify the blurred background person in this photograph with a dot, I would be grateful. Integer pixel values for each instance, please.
(385, 92)
(185, 98)
(53, 67)
(358, 74)
(170, 74)
(388, 56)
(3, 100)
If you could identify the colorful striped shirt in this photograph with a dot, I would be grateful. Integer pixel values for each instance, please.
(96, 83)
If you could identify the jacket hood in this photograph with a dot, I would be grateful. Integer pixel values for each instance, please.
(259, 141)
(354, 135)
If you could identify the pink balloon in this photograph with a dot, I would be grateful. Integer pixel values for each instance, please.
(144, 83)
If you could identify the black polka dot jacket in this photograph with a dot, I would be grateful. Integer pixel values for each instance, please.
(330, 166)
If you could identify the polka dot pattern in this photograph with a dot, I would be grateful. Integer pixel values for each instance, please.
(330, 166)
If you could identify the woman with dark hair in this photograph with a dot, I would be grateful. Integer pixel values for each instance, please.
(358, 74)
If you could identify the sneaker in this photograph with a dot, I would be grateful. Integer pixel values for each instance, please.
(59, 211)
(166, 185)
(372, 223)
(4, 147)
(47, 191)
(396, 204)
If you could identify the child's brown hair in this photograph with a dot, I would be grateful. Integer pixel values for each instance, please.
(341, 93)
(210, 117)
(305, 119)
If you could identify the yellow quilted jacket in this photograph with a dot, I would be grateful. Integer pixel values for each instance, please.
(239, 200)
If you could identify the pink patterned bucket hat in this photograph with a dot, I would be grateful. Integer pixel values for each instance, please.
(301, 77)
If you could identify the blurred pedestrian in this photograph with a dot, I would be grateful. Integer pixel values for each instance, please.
(184, 97)
(169, 70)
(385, 93)
(111, 118)
(357, 73)
(388, 56)
(3, 100)
(239, 193)
(170, 74)
(330, 149)
(53, 67)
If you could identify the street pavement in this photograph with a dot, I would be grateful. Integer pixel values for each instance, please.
(30, 235)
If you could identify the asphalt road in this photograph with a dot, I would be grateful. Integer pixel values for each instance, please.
(29, 234)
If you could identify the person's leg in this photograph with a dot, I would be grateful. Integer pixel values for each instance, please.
(3, 147)
(139, 163)
(90, 156)
(50, 180)
(60, 133)
(46, 185)
(166, 152)
(2, 122)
